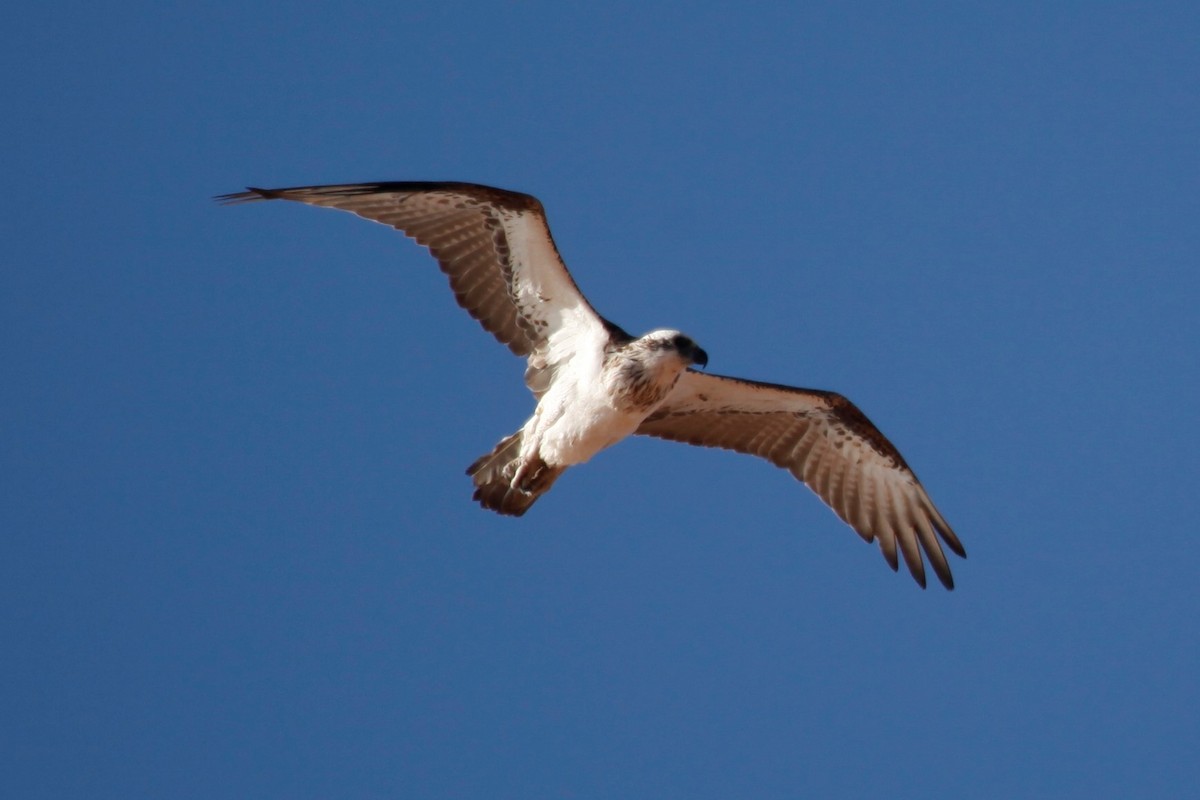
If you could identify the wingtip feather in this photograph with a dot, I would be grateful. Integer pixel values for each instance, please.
(251, 194)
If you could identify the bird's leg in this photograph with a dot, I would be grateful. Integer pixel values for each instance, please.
(518, 477)
(527, 474)
(533, 475)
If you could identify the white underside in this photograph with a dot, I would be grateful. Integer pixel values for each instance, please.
(580, 413)
(574, 421)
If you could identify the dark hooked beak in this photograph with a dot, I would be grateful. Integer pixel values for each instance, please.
(699, 357)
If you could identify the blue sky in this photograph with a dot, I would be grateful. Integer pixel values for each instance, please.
(239, 553)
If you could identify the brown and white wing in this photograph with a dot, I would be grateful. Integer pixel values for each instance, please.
(826, 442)
(495, 247)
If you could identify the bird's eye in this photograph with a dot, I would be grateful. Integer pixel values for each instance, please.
(681, 343)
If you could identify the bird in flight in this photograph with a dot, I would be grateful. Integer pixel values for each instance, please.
(595, 384)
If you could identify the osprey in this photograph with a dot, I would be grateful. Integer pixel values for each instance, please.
(595, 384)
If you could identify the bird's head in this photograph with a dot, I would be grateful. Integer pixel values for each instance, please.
(672, 341)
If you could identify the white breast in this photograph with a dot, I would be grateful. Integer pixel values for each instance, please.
(577, 419)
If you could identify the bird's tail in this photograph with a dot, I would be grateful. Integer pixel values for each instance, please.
(494, 473)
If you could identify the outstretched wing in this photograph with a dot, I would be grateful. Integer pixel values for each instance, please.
(826, 442)
(495, 247)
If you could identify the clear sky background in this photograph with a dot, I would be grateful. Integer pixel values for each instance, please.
(238, 555)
